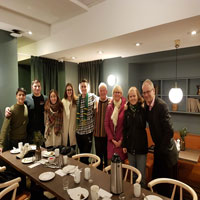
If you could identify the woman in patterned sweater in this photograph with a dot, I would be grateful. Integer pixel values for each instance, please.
(53, 120)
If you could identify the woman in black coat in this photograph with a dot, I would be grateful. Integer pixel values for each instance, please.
(134, 134)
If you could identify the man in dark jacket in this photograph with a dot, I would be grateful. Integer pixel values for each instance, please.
(159, 120)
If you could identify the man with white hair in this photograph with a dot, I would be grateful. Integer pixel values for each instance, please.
(165, 152)
(99, 131)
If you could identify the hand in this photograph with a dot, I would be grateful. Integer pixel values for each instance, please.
(117, 144)
(124, 150)
(114, 142)
(7, 112)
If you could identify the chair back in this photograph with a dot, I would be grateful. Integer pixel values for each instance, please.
(128, 169)
(176, 184)
(94, 159)
(10, 186)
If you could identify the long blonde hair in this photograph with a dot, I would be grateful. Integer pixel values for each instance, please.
(140, 98)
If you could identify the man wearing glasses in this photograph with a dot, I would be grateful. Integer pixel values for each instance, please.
(159, 120)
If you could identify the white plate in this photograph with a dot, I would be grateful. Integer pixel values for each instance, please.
(76, 193)
(46, 176)
(28, 160)
(47, 154)
(69, 169)
(153, 197)
(14, 151)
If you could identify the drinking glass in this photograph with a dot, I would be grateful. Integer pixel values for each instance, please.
(87, 173)
(137, 189)
(65, 183)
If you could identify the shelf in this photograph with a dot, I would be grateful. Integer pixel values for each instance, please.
(195, 95)
(189, 88)
(186, 113)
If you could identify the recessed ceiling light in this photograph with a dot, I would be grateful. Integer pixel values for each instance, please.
(100, 52)
(73, 57)
(193, 33)
(137, 44)
(30, 32)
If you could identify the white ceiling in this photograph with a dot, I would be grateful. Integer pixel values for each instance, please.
(54, 27)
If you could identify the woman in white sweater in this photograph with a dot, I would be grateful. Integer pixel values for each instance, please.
(69, 116)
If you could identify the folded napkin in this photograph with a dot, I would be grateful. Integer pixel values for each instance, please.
(103, 193)
(34, 165)
(60, 172)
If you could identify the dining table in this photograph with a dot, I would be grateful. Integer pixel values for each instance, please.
(55, 185)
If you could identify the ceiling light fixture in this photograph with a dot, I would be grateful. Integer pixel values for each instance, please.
(137, 44)
(193, 33)
(73, 57)
(16, 33)
(176, 94)
(100, 52)
(111, 80)
(30, 32)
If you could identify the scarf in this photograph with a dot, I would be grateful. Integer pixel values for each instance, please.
(54, 119)
(134, 108)
(114, 116)
(85, 110)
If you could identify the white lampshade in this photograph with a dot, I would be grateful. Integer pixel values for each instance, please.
(175, 95)
(111, 80)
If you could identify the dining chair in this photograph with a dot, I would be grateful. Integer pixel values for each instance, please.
(176, 184)
(12, 185)
(9, 186)
(128, 168)
(94, 159)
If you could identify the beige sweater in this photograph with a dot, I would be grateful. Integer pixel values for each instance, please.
(69, 123)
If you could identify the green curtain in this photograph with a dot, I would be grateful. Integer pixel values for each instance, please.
(46, 71)
(91, 72)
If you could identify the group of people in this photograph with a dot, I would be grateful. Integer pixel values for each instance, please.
(118, 125)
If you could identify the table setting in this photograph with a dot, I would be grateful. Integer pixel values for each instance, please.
(79, 181)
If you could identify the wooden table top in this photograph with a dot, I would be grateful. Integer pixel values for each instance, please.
(190, 155)
(55, 185)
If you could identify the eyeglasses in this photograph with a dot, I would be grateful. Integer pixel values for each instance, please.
(69, 90)
(117, 92)
(147, 92)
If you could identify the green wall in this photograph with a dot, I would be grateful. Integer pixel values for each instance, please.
(130, 71)
(8, 71)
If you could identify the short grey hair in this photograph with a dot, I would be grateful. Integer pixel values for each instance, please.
(148, 82)
(117, 87)
(102, 84)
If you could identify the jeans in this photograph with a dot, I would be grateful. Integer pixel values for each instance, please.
(139, 161)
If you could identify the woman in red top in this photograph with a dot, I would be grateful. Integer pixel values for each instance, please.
(114, 123)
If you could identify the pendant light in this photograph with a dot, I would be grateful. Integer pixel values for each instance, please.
(176, 94)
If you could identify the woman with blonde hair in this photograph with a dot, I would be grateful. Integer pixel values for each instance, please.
(53, 116)
(69, 116)
(114, 123)
(134, 133)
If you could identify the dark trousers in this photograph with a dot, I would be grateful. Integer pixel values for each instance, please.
(101, 151)
(161, 169)
(84, 143)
